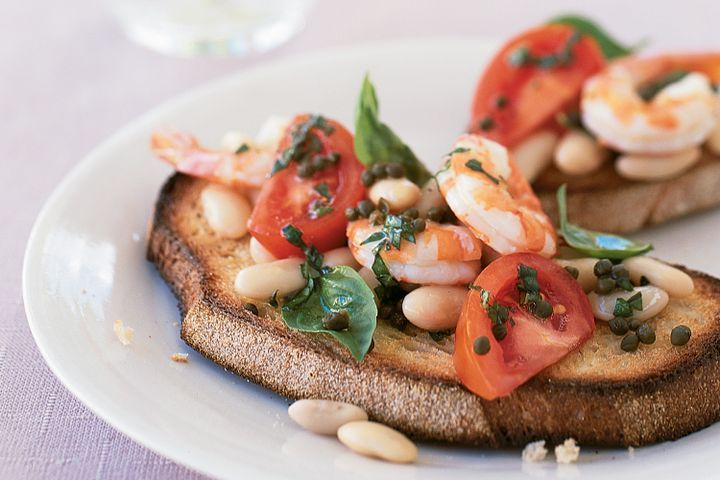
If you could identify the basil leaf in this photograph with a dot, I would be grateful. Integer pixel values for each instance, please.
(376, 143)
(339, 288)
(596, 244)
(610, 47)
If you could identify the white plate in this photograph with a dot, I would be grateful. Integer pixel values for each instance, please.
(85, 267)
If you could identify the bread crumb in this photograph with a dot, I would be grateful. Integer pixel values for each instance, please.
(534, 452)
(179, 357)
(567, 452)
(123, 333)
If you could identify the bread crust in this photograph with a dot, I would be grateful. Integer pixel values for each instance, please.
(597, 395)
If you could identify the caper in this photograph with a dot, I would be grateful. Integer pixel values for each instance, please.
(634, 324)
(367, 178)
(625, 284)
(379, 171)
(365, 208)
(499, 331)
(602, 267)
(251, 307)
(377, 218)
(618, 325)
(319, 162)
(395, 170)
(384, 206)
(351, 214)
(574, 272)
(336, 320)
(411, 212)
(619, 271)
(630, 342)
(543, 309)
(680, 335)
(605, 284)
(305, 170)
(646, 333)
(418, 225)
(487, 123)
(481, 345)
(435, 214)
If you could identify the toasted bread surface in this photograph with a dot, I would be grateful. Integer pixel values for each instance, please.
(598, 394)
(606, 202)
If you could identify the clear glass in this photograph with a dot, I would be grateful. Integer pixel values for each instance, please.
(210, 27)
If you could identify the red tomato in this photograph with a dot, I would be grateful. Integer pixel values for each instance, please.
(532, 94)
(287, 198)
(532, 344)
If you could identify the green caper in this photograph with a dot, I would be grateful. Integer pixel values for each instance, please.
(634, 324)
(605, 284)
(411, 212)
(435, 214)
(618, 325)
(602, 267)
(379, 171)
(630, 342)
(336, 320)
(365, 208)
(574, 272)
(367, 178)
(418, 225)
(377, 218)
(543, 309)
(395, 170)
(499, 331)
(384, 206)
(680, 335)
(487, 123)
(319, 162)
(305, 170)
(481, 345)
(251, 307)
(619, 271)
(351, 214)
(646, 333)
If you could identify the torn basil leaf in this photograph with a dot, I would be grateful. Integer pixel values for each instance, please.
(610, 47)
(376, 143)
(595, 244)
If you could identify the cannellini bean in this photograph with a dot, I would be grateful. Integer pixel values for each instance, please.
(673, 280)
(430, 197)
(340, 256)
(262, 280)
(369, 277)
(226, 210)
(434, 308)
(586, 276)
(578, 153)
(535, 153)
(324, 416)
(656, 167)
(260, 254)
(377, 440)
(272, 130)
(713, 141)
(232, 140)
(654, 299)
(400, 193)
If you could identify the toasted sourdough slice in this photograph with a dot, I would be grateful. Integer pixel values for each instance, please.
(599, 395)
(606, 202)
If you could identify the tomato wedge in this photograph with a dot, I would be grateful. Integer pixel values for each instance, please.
(316, 204)
(531, 343)
(531, 79)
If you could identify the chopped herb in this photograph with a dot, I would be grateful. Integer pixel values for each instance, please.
(522, 56)
(498, 314)
(273, 300)
(624, 308)
(243, 148)
(320, 209)
(530, 296)
(458, 150)
(303, 143)
(395, 229)
(476, 165)
(649, 90)
(323, 190)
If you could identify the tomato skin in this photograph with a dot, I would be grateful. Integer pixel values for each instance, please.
(285, 198)
(531, 344)
(533, 94)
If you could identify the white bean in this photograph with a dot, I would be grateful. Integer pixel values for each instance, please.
(586, 276)
(400, 193)
(656, 167)
(434, 308)
(654, 299)
(369, 277)
(262, 280)
(226, 210)
(430, 197)
(259, 253)
(673, 280)
(713, 141)
(535, 153)
(578, 153)
(232, 140)
(340, 256)
(324, 416)
(272, 130)
(377, 440)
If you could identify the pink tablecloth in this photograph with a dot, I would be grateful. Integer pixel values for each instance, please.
(69, 78)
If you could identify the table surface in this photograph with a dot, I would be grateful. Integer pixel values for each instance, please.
(70, 79)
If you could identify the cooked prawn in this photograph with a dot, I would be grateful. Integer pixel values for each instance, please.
(487, 192)
(249, 168)
(681, 115)
(442, 254)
